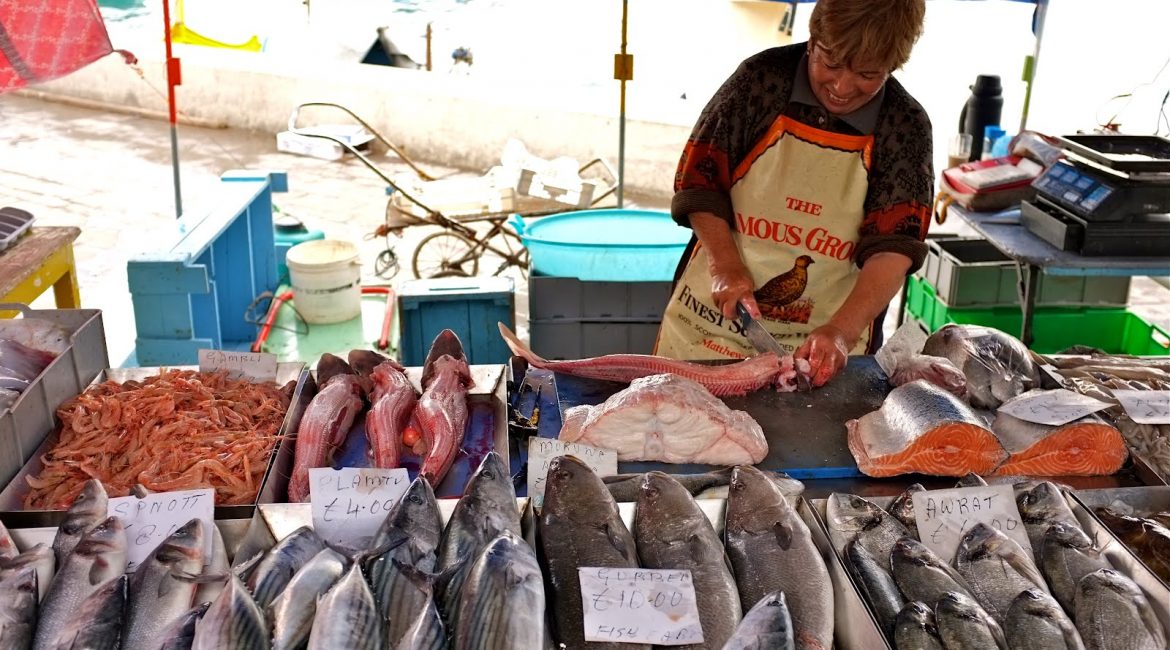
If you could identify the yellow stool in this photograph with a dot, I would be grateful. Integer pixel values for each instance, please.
(41, 258)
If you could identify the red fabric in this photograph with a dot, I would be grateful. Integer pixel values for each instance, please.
(45, 39)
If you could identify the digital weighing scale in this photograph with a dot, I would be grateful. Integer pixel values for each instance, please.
(1109, 196)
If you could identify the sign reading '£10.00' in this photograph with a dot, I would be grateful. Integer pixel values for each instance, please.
(640, 606)
(349, 504)
(943, 516)
(152, 519)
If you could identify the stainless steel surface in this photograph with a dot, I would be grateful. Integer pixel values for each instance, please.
(759, 337)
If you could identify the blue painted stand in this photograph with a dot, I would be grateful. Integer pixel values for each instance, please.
(193, 292)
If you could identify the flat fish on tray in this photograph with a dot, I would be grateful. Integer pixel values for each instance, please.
(1084, 447)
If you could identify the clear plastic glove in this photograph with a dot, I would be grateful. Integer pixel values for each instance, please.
(827, 350)
(732, 286)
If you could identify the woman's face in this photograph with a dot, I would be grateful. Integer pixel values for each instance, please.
(839, 88)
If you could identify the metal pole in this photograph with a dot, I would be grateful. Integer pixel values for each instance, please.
(622, 115)
(173, 79)
(1033, 61)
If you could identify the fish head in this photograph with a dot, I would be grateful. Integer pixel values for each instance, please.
(849, 512)
(445, 344)
(1107, 583)
(946, 340)
(363, 362)
(105, 534)
(89, 506)
(24, 584)
(330, 366)
(917, 614)
(971, 479)
(492, 481)
(185, 545)
(1125, 525)
(666, 508)
(418, 509)
(1037, 602)
(1040, 502)
(983, 541)
(572, 491)
(445, 365)
(1067, 535)
(960, 605)
(915, 551)
(755, 502)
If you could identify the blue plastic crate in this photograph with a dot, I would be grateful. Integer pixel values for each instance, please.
(470, 307)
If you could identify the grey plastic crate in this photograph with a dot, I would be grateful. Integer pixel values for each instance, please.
(577, 339)
(569, 298)
(13, 223)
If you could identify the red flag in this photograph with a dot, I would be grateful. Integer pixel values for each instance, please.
(45, 39)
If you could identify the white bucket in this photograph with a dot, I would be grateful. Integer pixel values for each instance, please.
(326, 280)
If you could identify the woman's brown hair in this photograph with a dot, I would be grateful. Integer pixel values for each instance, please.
(868, 33)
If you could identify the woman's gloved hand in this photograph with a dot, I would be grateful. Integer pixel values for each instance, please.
(731, 285)
(827, 350)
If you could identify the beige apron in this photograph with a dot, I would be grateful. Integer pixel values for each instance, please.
(798, 199)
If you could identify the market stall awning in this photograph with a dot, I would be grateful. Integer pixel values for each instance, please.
(41, 40)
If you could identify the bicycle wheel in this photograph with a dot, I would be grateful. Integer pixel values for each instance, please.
(445, 254)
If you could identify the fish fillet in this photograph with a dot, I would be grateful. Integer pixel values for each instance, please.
(922, 428)
(1084, 447)
(671, 419)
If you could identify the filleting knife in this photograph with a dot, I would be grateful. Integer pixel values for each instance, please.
(759, 337)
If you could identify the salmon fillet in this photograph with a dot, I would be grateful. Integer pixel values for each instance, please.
(1084, 447)
(922, 428)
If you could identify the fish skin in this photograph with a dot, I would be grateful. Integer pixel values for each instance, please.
(330, 366)
(292, 613)
(426, 632)
(1040, 507)
(903, 509)
(39, 558)
(850, 517)
(1035, 621)
(392, 404)
(997, 365)
(98, 622)
(88, 510)
(996, 568)
(180, 634)
(161, 590)
(1067, 555)
(488, 508)
(441, 412)
(232, 622)
(99, 557)
(18, 609)
(964, 625)
(671, 532)
(771, 549)
(739, 378)
(399, 576)
(1113, 614)
(580, 526)
(922, 575)
(1148, 540)
(876, 584)
(347, 617)
(218, 565)
(279, 565)
(768, 624)
(501, 605)
(324, 427)
(7, 544)
(915, 628)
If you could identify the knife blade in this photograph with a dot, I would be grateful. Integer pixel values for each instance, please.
(759, 337)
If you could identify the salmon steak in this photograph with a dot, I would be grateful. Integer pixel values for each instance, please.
(1084, 447)
(924, 429)
(670, 419)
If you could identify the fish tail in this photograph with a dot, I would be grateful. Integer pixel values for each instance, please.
(518, 348)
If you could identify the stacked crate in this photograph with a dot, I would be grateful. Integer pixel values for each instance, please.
(573, 319)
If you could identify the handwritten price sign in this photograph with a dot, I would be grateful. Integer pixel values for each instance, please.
(943, 516)
(257, 366)
(151, 519)
(640, 606)
(1051, 407)
(1145, 406)
(349, 504)
(541, 451)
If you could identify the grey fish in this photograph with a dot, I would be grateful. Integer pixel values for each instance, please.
(903, 509)
(99, 557)
(180, 634)
(292, 613)
(347, 617)
(162, 588)
(7, 544)
(915, 628)
(771, 549)
(18, 609)
(218, 565)
(1035, 621)
(766, 626)
(97, 624)
(851, 517)
(399, 576)
(502, 602)
(997, 365)
(88, 510)
(923, 576)
(671, 532)
(971, 479)
(625, 487)
(39, 558)
(1066, 556)
(876, 584)
(277, 567)
(232, 622)
(996, 568)
(580, 527)
(488, 508)
(426, 632)
(1040, 507)
(964, 625)
(1113, 613)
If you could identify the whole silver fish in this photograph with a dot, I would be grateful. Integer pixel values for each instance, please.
(97, 624)
(218, 564)
(671, 532)
(88, 510)
(771, 549)
(1113, 613)
(915, 628)
(399, 575)
(580, 526)
(970, 479)
(502, 602)
(923, 576)
(851, 517)
(273, 573)
(997, 365)
(180, 634)
(996, 568)
(1067, 555)
(39, 558)
(162, 588)
(99, 557)
(488, 508)
(876, 584)
(18, 609)
(708, 485)
(232, 622)
(964, 625)
(347, 617)
(426, 631)
(1040, 507)
(7, 544)
(768, 624)
(903, 509)
(1035, 621)
(292, 613)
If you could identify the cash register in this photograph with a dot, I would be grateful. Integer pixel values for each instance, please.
(1110, 195)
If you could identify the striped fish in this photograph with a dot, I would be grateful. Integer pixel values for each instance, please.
(426, 632)
(233, 622)
(280, 564)
(502, 602)
(293, 610)
(180, 634)
(347, 617)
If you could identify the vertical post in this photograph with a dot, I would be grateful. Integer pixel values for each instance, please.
(624, 71)
(174, 78)
(1032, 61)
(429, 34)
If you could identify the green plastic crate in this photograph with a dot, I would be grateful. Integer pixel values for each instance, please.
(1054, 329)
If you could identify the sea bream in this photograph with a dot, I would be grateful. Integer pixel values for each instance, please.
(902, 507)
(1067, 555)
(915, 628)
(874, 581)
(99, 557)
(163, 587)
(441, 412)
(851, 517)
(767, 625)
(392, 403)
(326, 422)
(923, 576)
(964, 625)
(1035, 621)
(88, 510)
(1113, 614)
(997, 365)
(1041, 505)
(996, 568)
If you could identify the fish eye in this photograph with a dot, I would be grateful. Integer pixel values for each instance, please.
(563, 475)
(414, 498)
(652, 492)
(487, 473)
